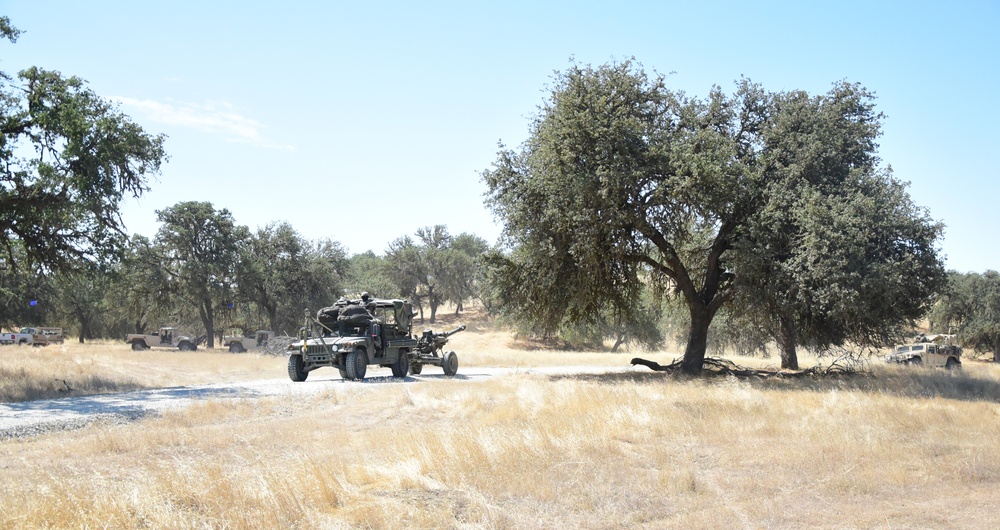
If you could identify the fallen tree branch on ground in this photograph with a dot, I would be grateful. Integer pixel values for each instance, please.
(717, 366)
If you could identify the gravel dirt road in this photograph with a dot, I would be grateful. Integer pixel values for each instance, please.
(35, 417)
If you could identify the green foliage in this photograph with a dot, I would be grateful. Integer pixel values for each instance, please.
(18, 287)
(140, 296)
(68, 157)
(283, 273)
(369, 272)
(970, 307)
(436, 268)
(624, 184)
(83, 302)
(838, 252)
(8, 31)
(201, 248)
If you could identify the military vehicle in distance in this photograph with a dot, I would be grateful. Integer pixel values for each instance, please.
(351, 335)
(34, 337)
(932, 350)
(240, 344)
(165, 338)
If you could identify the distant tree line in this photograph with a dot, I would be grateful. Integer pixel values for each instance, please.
(207, 274)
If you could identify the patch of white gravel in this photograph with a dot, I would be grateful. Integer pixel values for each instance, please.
(30, 418)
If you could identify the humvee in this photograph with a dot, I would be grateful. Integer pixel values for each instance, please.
(933, 350)
(165, 338)
(350, 336)
(240, 344)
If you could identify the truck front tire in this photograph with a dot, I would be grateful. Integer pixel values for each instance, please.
(357, 365)
(296, 369)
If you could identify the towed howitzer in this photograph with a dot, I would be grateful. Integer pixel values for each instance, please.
(432, 342)
(430, 348)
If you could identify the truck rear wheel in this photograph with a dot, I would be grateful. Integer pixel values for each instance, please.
(952, 363)
(916, 361)
(296, 369)
(402, 364)
(450, 363)
(185, 346)
(357, 365)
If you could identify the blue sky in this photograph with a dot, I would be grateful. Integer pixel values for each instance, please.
(309, 112)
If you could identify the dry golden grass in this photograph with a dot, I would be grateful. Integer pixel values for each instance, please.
(901, 449)
(74, 369)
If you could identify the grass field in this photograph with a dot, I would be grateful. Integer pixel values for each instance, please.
(901, 448)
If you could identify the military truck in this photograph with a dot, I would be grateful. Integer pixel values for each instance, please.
(352, 335)
(164, 338)
(239, 343)
(34, 337)
(933, 350)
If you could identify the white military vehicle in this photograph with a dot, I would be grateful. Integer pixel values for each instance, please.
(929, 350)
(239, 343)
(33, 336)
(165, 338)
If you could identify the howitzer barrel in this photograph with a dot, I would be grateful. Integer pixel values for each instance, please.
(454, 331)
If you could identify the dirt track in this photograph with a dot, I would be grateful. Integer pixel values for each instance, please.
(36, 417)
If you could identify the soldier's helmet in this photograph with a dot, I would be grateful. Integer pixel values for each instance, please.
(365, 296)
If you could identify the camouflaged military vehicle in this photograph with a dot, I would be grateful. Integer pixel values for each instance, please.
(352, 335)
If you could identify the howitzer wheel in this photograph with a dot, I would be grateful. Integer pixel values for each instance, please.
(415, 369)
(450, 363)
(296, 369)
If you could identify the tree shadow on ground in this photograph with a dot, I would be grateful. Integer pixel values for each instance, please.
(910, 382)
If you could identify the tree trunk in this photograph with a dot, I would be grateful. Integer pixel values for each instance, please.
(458, 308)
(694, 354)
(208, 320)
(786, 342)
(84, 329)
(272, 317)
(434, 301)
(996, 350)
(618, 343)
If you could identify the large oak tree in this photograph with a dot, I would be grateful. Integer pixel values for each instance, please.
(201, 250)
(624, 183)
(67, 158)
